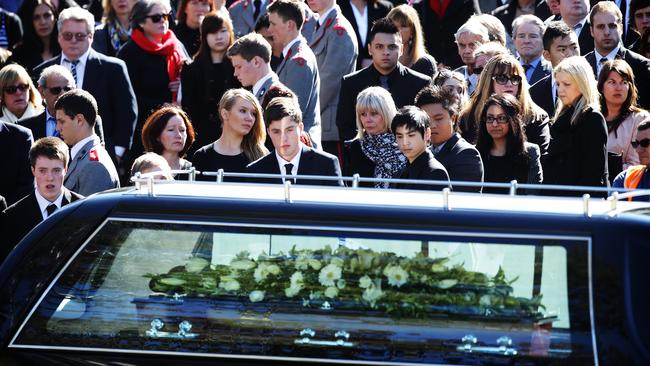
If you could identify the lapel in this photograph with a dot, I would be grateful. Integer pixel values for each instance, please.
(320, 33)
(305, 166)
(591, 58)
(292, 51)
(453, 140)
(540, 71)
(67, 197)
(81, 155)
(266, 86)
(34, 210)
(41, 126)
(91, 73)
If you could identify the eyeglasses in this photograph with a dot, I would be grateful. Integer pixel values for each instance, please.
(503, 79)
(477, 70)
(14, 88)
(78, 36)
(501, 119)
(56, 90)
(642, 143)
(156, 18)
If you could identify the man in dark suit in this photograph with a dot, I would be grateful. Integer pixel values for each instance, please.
(374, 9)
(461, 159)
(527, 34)
(48, 158)
(54, 81)
(560, 42)
(290, 155)
(16, 180)
(412, 133)
(508, 12)
(575, 13)
(606, 27)
(104, 77)
(385, 47)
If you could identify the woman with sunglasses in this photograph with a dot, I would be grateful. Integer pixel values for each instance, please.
(20, 99)
(189, 15)
(502, 144)
(618, 95)
(209, 76)
(115, 29)
(503, 74)
(414, 54)
(40, 35)
(577, 154)
(154, 58)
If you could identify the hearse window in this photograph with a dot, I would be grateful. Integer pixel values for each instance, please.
(322, 293)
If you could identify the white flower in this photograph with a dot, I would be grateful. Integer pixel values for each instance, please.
(263, 270)
(296, 278)
(485, 300)
(365, 282)
(331, 292)
(329, 274)
(273, 269)
(372, 294)
(337, 261)
(292, 291)
(196, 264)
(315, 264)
(445, 284)
(437, 268)
(229, 284)
(396, 275)
(302, 262)
(340, 284)
(256, 296)
(242, 264)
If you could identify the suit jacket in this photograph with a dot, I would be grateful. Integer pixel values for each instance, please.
(91, 170)
(507, 13)
(585, 39)
(425, 167)
(404, 84)
(543, 69)
(542, 94)
(641, 68)
(268, 84)
(21, 217)
(462, 161)
(336, 50)
(107, 79)
(299, 72)
(17, 179)
(38, 126)
(241, 13)
(377, 9)
(312, 162)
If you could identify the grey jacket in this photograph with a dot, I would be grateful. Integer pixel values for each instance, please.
(241, 13)
(91, 170)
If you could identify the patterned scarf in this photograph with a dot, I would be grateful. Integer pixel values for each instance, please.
(117, 34)
(383, 151)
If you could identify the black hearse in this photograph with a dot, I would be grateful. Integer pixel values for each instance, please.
(179, 273)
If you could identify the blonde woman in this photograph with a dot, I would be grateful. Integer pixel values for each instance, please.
(20, 99)
(242, 136)
(373, 153)
(414, 54)
(504, 74)
(577, 154)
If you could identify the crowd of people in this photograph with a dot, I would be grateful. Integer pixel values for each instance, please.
(543, 92)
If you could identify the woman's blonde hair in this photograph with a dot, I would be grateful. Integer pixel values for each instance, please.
(581, 75)
(10, 74)
(407, 16)
(253, 142)
(378, 99)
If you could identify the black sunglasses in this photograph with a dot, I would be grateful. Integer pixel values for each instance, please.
(642, 143)
(78, 36)
(156, 18)
(503, 79)
(56, 90)
(14, 88)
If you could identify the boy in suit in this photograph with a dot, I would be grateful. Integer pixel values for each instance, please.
(290, 155)
(48, 158)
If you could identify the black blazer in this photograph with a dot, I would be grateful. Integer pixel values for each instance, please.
(585, 39)
(462, 161)
(312, 162)
(425, 167)
(377, 9)
(543, 69)
(21, 217)
(17, 179)
(107, 79)
(356, 162)
(507, 13)
(641, 68)
(542, 94)
(404, 84)
(37, 125)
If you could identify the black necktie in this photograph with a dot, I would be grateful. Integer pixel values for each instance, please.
(257, 4)
(50, 209)
(288, 168)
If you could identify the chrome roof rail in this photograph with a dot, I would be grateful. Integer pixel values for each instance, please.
(615, 196)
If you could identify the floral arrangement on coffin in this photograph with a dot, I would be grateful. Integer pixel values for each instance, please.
(358, 279)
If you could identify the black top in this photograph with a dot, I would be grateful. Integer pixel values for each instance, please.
(426, 65)
(424, 167)
(190, 38)
(207, 159)
(507, 13)
(503, 169)
(356, 162)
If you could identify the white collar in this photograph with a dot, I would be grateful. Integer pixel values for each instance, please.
(82, 59)
(610, 56)
(286, 48)
(75, 149)
(260, 82)
(43, 202)
(326, 13)
(295, 160)
(31, 111)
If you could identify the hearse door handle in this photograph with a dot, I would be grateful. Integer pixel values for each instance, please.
(184, 329)
(341, 339)
(504, 346)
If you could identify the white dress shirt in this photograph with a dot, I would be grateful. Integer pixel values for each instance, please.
(43, 202)
(610, 56)
(362, 22)
(81, 67)
(260, 82)
(295, 161)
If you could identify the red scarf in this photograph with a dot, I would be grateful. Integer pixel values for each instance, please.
(438, 8)
(170, 48)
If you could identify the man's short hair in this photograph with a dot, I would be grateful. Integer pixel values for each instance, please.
(150, 161)
(644, 125)
(437, 95)
(262, 22)
(492, 49)
(635, 5)
(288, 10)
(527, 19)
(554, 30)
(411, 117)
(52, 148)
(383, 25)
(55, 70)
(78, 101)
(279, 108)
(605, 7)
(78, 14)
(249, 46)
(473, 26)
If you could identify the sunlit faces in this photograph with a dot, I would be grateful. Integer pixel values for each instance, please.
(174, 135)
(373, 122)
(644, 152)
(43, 19)
(16, 96)
(80, 41)
(497, 123)
(285, 135)
(528, 41)
(562, 48)
(440, 122)
(385, 50)
(411, 142)
(55, 85)
(642, 19)
(70, 129)
(554, 5)
(616, 88)
(606, 30)
(567, 90)
(509, 87)
(196, 11)
(279, 29)
(245, 71)
(240, 118)
(219, 41)
(574, 8)
(467, 43)
(454, 86)
(153, 29)
(49, 174)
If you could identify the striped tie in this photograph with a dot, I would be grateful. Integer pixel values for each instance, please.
(73, 70)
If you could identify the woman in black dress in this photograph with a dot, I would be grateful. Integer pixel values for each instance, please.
(40, 40)
(209, 76)
(188, 21)
(242, 137)
(502, 144)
